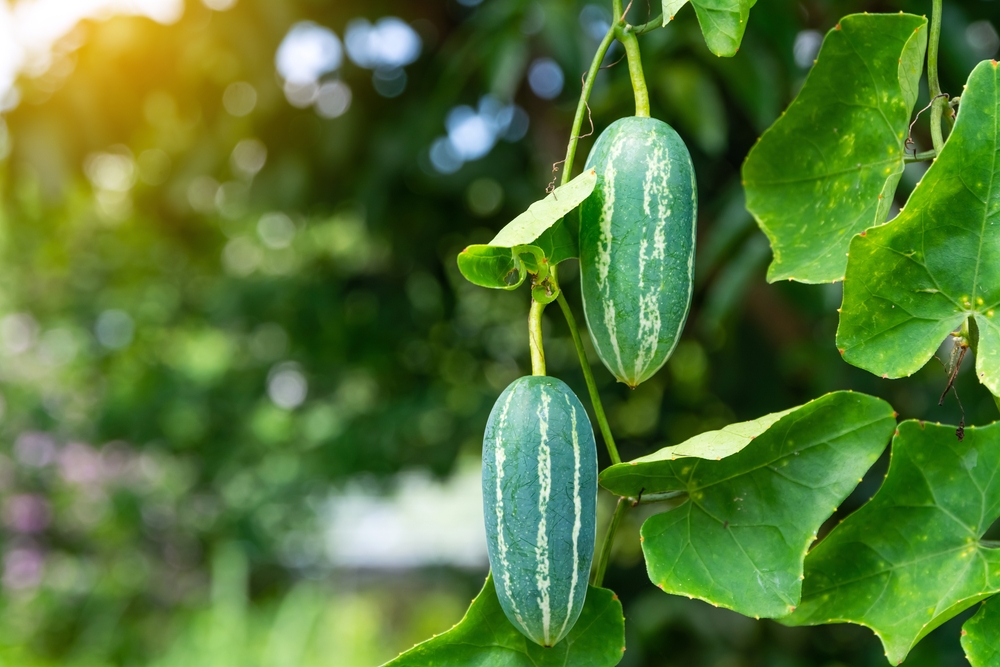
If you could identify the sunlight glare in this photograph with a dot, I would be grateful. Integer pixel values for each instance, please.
(29, 29)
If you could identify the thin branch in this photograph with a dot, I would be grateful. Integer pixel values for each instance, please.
(588, 376)
(933, 82)
(609, 540)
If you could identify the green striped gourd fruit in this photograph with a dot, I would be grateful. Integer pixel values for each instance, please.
(540, 505)
(637, 232)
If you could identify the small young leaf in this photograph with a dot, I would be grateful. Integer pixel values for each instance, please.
(544, 294)
(559, 242)
(912, 558)
(828, 168)
(540, 216)
(740, 538)
(722, 22)
(912, 281)
(531, 242)
(981, 635)
(485, 638)
(489, 266)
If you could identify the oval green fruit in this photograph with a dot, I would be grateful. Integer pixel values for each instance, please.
(540, 505)
(637, 235)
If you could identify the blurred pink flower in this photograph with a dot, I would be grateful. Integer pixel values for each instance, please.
(80, 463)
(26, 513)
(35, 449)
(22, 568)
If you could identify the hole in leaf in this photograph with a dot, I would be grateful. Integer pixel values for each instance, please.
(513, 277)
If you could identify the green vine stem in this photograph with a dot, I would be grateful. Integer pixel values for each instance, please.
(588, 376)
(609, 539)
(574, 138)
(535, 338)
(933, 83)
(631, 44)
(581, 108)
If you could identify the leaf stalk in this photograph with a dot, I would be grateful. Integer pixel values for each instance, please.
(925, 156)
(643, 28)
(650, 498)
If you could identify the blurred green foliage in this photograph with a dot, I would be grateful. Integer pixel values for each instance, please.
(166, 263)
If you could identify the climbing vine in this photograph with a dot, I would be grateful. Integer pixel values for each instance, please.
(743, 506)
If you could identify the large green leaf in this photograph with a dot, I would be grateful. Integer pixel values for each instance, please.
(981, 635)
(912, 557)
(828, 168)
(485, 638)
(912, 281)
(740, 538)
(722, 22)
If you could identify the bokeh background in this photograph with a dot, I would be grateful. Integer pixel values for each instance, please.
(243, 384)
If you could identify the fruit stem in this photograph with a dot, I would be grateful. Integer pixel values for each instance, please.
(581, 108)
(588, 376)
(535, 338)
(631, 44)
(609, 540)
(933, 83)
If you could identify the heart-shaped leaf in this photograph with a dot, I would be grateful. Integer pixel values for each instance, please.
(828, 168)
(912, 281)
(981, 635)
(722, 22)
(531, 242)
(740, 538)
(912, 557)
(485, 638)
